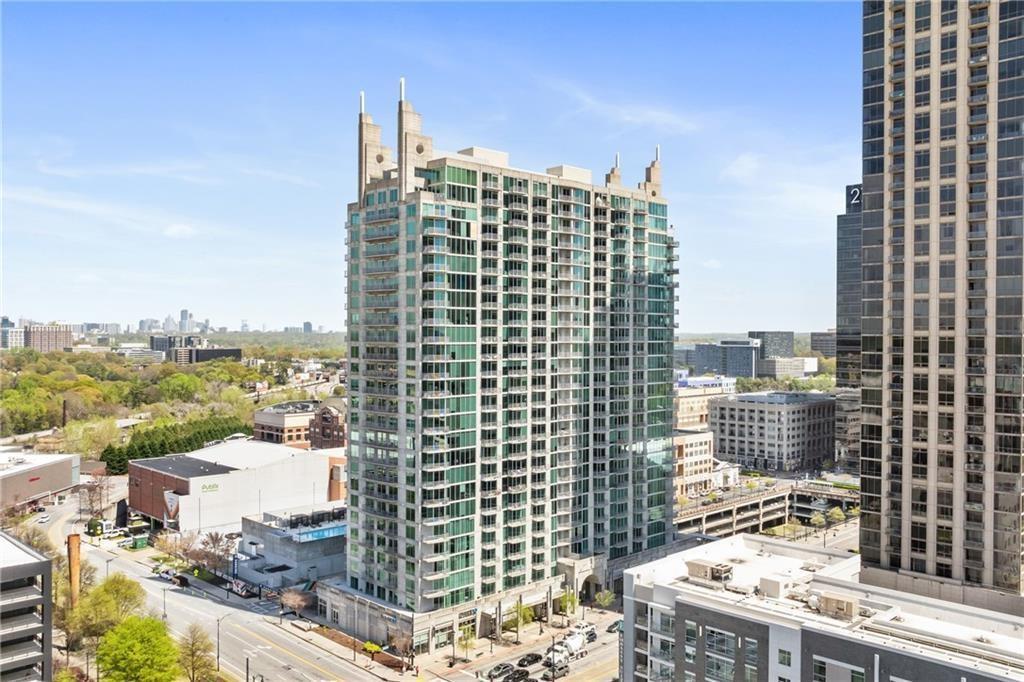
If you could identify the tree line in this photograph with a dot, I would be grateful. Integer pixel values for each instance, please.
(169, 439)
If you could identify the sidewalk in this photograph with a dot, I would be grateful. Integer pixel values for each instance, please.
(362, 661)
(530, 637)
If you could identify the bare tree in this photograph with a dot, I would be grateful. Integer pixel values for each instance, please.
(401, 642)
(296, 600)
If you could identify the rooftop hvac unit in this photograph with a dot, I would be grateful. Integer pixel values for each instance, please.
(838, 605)
(774, 586)
(709, 570)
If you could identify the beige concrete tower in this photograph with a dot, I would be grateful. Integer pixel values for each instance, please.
(414, 148)
(374, 157)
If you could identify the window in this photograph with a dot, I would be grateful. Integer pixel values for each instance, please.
(785, 657)
(856, 676)
(819, 672)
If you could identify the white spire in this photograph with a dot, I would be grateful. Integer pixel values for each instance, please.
(657, 152)
(616, 159)
(401, 89)
(362, 102)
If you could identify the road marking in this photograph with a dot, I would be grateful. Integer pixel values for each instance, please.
(330, 675)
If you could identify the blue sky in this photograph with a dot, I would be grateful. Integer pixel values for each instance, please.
(161, 156)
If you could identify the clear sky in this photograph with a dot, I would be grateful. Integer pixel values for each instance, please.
(193, 155)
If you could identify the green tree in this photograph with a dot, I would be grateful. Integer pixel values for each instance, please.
(467, 637)
(836, 515)
(818, 519)
(184, 387)
(853, 511)
(138, 650)
(195, 655)
(568, 602)
(604, 598)
(371, 649)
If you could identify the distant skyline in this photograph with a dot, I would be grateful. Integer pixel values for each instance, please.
(160, 156)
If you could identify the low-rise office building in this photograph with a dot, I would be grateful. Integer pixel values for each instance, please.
(692, 396)
(327, 428)
(212, 488)
(752, 608)
(774, 430)
(12, 337)
(192, 356)
(293, 546)
(783, 368)
(26, 613)
(286, 423)
(26, 477)
(695, 462)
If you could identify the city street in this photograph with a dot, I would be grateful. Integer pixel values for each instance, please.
(249, 631)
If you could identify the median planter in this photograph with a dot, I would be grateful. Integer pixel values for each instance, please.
(338, 637)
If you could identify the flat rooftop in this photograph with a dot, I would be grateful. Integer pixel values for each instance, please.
(14, 553)
(15, 460)
(292, 407)
(962, 635)
(223, 458)
(780, 397)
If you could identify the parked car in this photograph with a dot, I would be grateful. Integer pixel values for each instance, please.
(556, 672)
(125, 544)
(39, 509)
(529, 659)
(499, 671)
(180, 580)
(45, 518)
(167, 574)
(591, 636)
(518, 675)
(616, 626)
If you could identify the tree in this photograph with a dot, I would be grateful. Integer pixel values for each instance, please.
(371, 649)
(750, 485)
(65, 675)
(195, 655)
(295, 600)
(682, 500)
(106, 606)
(184, 387)
(853, 511)
(568, 602)
(818, 519)
(401, 642)
(604, 598)
(836, 515)
(467, 638)
(138, 650)
(521, 615)
(712, 496)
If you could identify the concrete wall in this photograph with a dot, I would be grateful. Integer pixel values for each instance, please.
(219, 502)
(32, 484)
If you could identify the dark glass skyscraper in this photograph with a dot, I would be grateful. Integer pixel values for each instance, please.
(848, 294)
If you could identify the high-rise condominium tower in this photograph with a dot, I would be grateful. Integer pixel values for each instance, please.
(510, 373)
(941, 328)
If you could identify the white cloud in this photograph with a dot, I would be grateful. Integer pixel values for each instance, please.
(184, 171)
(743, 168)
(635, 114)
(179, 231)
(711, 264)
(104, 215)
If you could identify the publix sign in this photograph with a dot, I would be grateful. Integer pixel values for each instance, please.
(209, 487)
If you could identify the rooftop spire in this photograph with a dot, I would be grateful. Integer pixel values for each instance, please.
(657, 152)
(401, 89)
(616, 159)
(362, 102)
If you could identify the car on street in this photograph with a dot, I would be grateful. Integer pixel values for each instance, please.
(45, 518)
(529, 659)
(167, 574)
(517, 675)
(40, 509)
(499, 671)
(591, 636)
(556, 672)
(615, 627)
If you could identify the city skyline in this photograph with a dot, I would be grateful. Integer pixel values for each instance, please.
(755, 180)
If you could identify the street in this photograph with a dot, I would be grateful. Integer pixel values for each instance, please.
(249, 631)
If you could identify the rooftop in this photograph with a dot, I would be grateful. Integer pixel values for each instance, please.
(14, 553)
(15, 460)
(222, 458)
(308, 522)
(775, 580)
(292, 407)
(779, 397)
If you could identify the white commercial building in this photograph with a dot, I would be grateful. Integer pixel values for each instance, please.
(752, 608)
(211, 489)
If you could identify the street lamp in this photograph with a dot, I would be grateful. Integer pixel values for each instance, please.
(108, 565)
(218, 636)
(165, 602)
